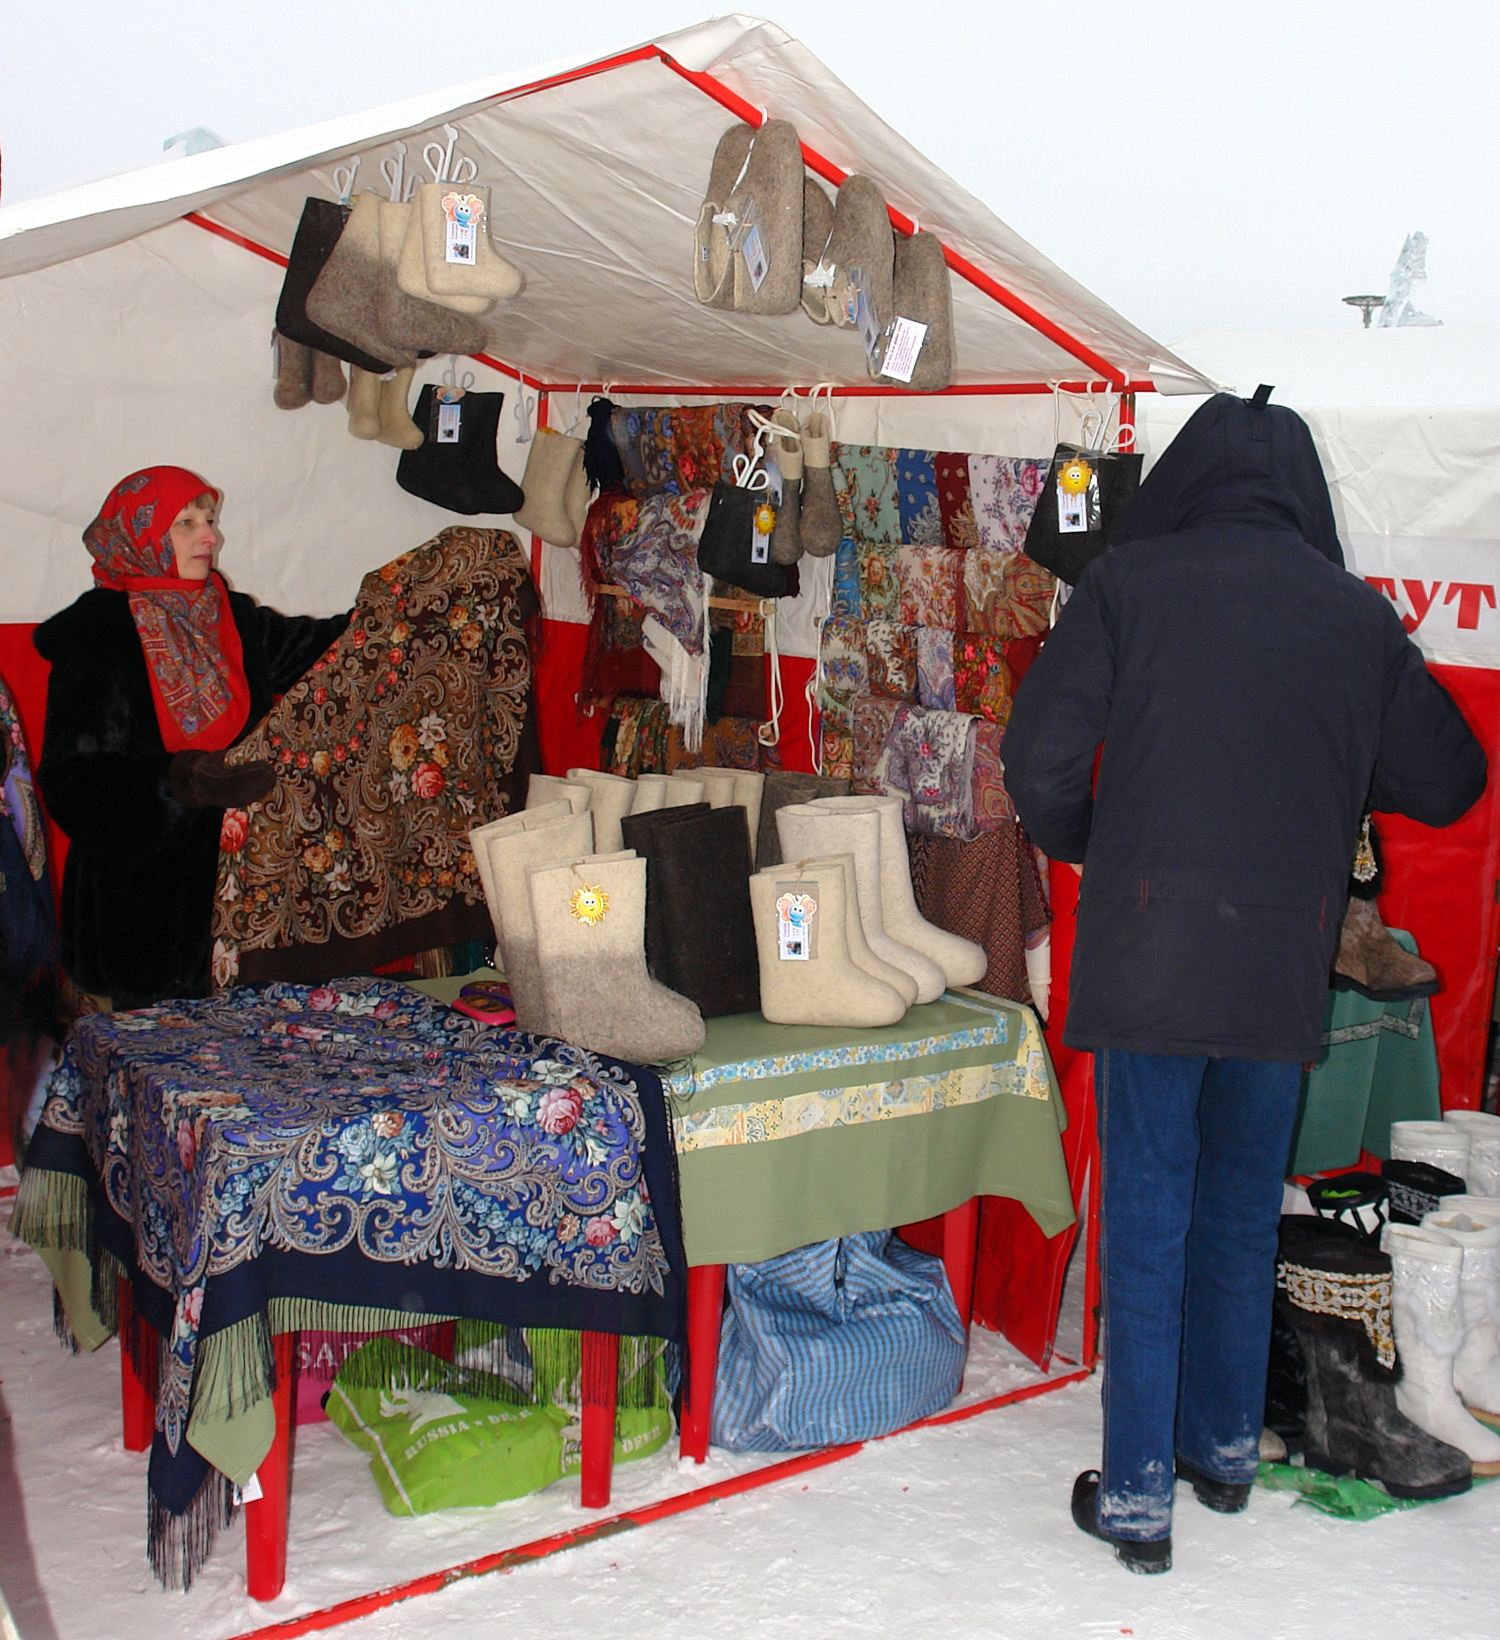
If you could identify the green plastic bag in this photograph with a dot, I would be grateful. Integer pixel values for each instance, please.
(445, 1436)
(441, 1436)
(1345, 1496)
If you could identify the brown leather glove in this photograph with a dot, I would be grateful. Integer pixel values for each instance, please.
(202, 780)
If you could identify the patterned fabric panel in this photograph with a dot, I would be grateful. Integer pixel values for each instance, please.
(917, 498)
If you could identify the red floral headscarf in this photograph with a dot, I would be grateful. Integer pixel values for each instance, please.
(186, 628)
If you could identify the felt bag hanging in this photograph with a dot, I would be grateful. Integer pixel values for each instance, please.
(841, 1341)
(1081, 501)
(459, 473)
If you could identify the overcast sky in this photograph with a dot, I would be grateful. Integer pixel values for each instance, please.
(1230, 164)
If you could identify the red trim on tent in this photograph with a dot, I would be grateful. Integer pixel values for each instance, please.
(255, 249)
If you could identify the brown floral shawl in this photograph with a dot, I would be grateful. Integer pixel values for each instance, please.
(414, 727)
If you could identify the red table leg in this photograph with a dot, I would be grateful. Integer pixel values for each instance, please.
(705, 1314)
(601, 1373)
(138, 1409)
(960, 1244)
(266, 1518)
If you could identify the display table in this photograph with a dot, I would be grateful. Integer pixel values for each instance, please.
(1381, 1067)
(349, 1157)
(792, 1134)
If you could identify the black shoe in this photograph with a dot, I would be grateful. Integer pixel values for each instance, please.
(1134, 1557)
(1224, 1497)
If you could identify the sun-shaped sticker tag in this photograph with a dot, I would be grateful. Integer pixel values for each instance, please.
(589, 904)
(1074, 476)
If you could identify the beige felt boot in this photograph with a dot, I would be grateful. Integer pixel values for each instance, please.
(749, 786)
(811, 977)
(808, 830)
(962, 961)
(552, 788)
(590, 921)
(411, 268)
(511, 854)
(550, 464)
(650, 793)
(396, 426)
(488, 275)
(684, 790)
(610, 797)
(859, 947)
(541, 815)
(717, 784)
(364, 403)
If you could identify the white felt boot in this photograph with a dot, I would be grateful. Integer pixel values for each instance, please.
(538, 815)
(1426, 1268)
(808, 831)
(827, 986)
(590, 920)
(1483, 1173)
(396, 426)
(962, 961)
(1476, 1368)
(550, 465)
(511, 855)
(748, 789)
(552, 788)
(650, 793)
(610, 797)
(682, 793)
(717, 784)
(488, 275)
(859, 947)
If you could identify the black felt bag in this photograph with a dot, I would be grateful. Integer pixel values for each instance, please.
(727, 545)
(1093, 486)
(317, 233)
(462, 475)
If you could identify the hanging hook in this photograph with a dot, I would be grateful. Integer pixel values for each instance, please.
(402, 187)
(343, 180)
(524, 410)
(439, 160)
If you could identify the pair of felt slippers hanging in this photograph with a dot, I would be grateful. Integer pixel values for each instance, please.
(769, 240)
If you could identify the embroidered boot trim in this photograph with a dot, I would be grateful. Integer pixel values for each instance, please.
(1365, 1299)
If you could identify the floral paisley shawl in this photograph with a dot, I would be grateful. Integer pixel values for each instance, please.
(363, 1116)
(407, 733)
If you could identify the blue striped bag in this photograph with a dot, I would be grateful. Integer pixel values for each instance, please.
(840, 1341)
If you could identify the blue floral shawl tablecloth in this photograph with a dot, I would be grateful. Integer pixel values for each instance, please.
(358, 1146)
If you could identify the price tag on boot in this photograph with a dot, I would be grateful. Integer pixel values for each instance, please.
(764, 524)
(757, 263)
(901, 350)
(1076, 486)
(463, 213)
(450, 413)
(795, 929)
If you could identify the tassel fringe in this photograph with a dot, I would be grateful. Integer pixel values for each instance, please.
(179, 1545)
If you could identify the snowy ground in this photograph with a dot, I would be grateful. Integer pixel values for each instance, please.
(958, 1531)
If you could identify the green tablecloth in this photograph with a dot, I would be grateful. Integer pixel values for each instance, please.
(1381, 1067)
(792, 1134)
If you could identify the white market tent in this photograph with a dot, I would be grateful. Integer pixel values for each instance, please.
(135, 311)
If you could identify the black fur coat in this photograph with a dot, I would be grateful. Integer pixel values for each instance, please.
(138, 887)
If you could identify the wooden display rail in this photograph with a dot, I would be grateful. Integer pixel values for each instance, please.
(751, 606)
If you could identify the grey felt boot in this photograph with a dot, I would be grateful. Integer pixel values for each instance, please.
(590, 921)
(786, 538)
(713, 256)
(819, 523)
(328, 385)
(293, 374)
(862, 241)
(923, 292)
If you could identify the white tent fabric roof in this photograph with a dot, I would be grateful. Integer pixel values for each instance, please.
(597, 177)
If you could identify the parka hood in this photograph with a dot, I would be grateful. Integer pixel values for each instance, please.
(1236, 461)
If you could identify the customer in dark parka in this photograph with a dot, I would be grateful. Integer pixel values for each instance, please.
(143, 822)
(1252, 698)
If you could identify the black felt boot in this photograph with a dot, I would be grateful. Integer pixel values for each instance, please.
(1148, 1558)
(1336, 1295)
(700, 931)
(1415, 1189)
(1359, 1200)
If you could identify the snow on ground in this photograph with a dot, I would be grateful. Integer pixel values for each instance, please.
(958, 1531)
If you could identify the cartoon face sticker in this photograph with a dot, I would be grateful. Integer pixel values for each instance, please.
(1074, 477)
(463, 209)
(589, 904)
(796, 909)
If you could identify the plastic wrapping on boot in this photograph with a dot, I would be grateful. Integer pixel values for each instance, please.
(1371, 962)
(202, 780)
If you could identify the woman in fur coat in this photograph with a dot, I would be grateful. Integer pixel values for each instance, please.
(156, 672)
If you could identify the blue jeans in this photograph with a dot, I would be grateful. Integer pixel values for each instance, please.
(1194, 1152)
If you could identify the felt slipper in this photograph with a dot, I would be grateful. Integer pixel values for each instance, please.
(345, 296)
(396, 426)
(411, 272)
(862, 238)
(817, 230)
(819, 522)
(923, 294)
(550, 465)
(328, 385)
(406, 320)
(713, 272)
(449, 216)
(364, 403)
(768, 205)
(294, 371)
(318, 232)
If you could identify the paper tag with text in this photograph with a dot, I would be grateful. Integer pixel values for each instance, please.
(902, 348)
(796, 932)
